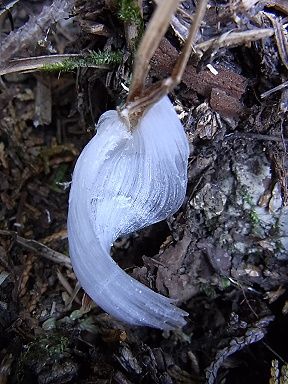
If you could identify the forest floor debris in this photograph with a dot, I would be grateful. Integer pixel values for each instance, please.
(223, 257)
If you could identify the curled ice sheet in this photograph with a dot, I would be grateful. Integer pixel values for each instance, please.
(123, 182)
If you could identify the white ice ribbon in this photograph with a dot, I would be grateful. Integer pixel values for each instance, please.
(124, 181)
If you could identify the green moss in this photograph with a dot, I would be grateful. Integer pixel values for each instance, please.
(90, 60)
(224, 283)
(254, 217)
(208, 290)
(59, 176)
(246, 196)
(129, 12)
(40, 351)
(51, 347)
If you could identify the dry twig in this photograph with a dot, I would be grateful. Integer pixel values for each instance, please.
(230, 39)
(40, 248)
(5, 8)
(275, 89)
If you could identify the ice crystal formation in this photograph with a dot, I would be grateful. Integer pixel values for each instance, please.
(124, 181)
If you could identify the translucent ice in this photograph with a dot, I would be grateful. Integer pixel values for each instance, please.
(124, 181)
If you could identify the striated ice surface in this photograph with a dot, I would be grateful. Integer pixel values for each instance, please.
(123, 182)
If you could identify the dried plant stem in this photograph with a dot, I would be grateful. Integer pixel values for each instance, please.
(150, 42)
(140, 99)
(229, 39)
(275, 89)
(39, 248)
(186, 51)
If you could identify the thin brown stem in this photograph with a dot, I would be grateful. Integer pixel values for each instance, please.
(156, 29)
(181, 63)
(139, 98)
(230, 39)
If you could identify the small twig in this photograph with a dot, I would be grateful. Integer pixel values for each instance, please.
(274, 352)
(140, 5)
(185, 13)
(248, 302)
(229, 39)
(39, 248)
(64, 282)
(253, 334)
(133, 25)
(6, 7)
(66, 285)
(284, 158)
(73, 296)
(275, 89)
(279, 5)
(43, 62)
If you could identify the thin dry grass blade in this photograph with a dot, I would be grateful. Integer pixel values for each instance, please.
(275, 89)
(33, 63)
(36, 63)
(186, 51)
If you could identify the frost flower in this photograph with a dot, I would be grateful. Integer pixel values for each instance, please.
(124, 181)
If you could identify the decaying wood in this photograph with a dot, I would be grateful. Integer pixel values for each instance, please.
(224, 89)
(280, 5)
